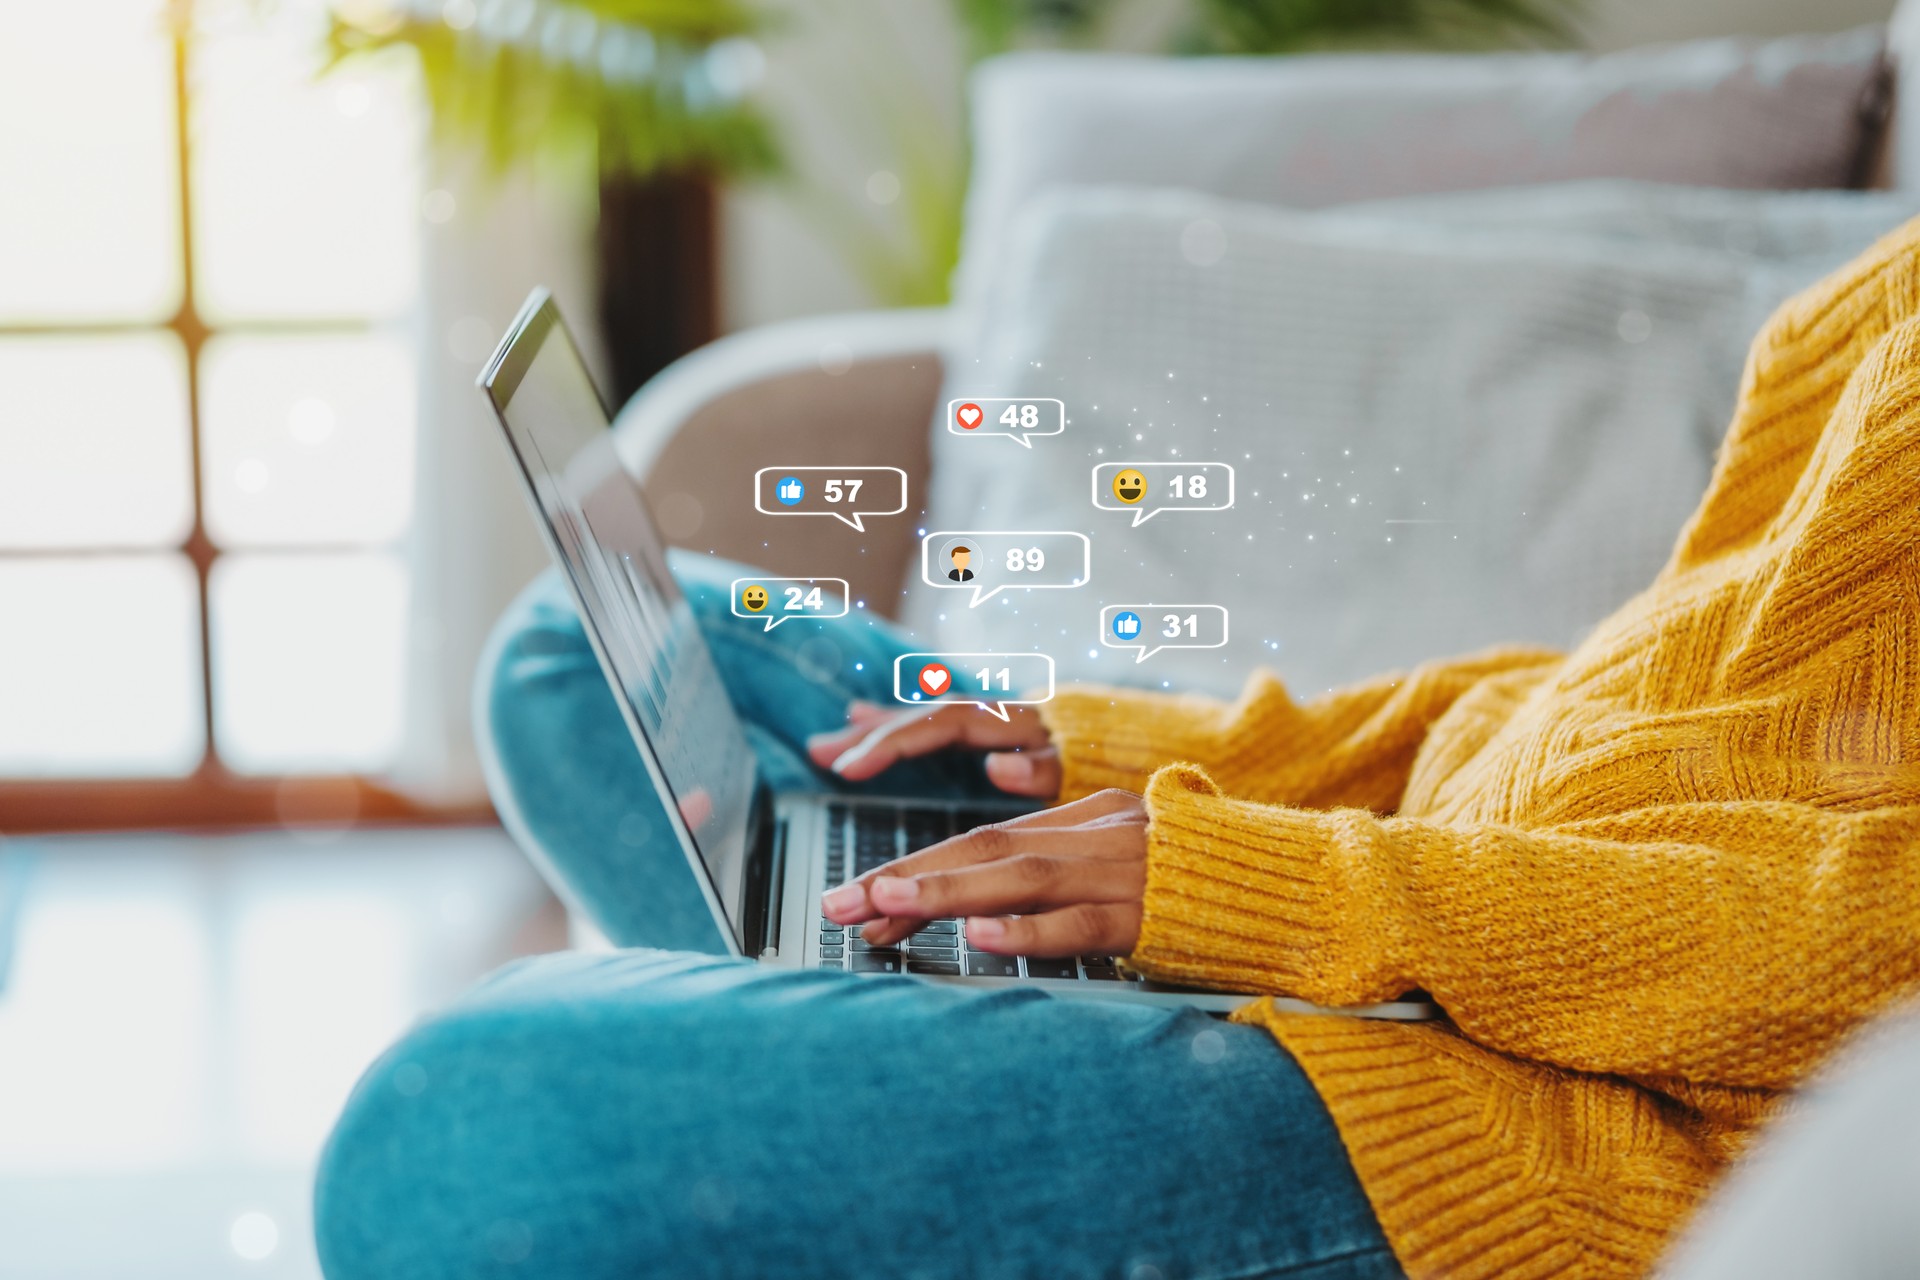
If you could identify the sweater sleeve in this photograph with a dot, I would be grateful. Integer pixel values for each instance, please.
(1798, 368)
(1730, 943)
(1354, 746)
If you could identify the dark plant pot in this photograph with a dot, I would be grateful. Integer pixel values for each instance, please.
(657, 251)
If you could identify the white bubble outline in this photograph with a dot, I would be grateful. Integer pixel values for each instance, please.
(1109, 641)
(772, 621)
(854, 519)
(994, 706)
(983, 594)
(1143, 514)
(1019, 437)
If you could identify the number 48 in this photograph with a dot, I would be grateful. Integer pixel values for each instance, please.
(1020, 415)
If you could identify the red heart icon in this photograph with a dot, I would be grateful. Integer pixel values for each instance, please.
(969, 416)
(935, 679)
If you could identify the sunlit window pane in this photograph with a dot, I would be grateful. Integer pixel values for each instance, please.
(307, 188)
(308, 661)
(89, 196)
(307, 439)
(99, 667)
(94, 447)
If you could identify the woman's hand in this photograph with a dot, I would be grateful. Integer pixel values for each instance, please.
(1064, 882)
(1021, 759)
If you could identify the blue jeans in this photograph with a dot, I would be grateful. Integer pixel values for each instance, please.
(670, 1113)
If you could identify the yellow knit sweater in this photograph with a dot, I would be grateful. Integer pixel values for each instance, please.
(1651, 883)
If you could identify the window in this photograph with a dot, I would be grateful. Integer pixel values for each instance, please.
(208, 258)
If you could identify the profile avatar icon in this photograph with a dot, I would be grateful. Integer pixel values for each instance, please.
(1129, 486)
(960, 557)
(754, 597)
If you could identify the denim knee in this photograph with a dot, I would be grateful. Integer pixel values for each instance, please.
(382, 1205)
(570, 785)
(454, 1154)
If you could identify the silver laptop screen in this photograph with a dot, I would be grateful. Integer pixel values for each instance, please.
(645, 629)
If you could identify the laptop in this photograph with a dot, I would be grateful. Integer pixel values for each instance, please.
(761, 859)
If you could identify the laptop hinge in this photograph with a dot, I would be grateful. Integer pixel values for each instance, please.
(766, 874)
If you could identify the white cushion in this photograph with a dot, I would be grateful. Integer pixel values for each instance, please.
(1320, 130)
(1900, 166)
(1534, 380)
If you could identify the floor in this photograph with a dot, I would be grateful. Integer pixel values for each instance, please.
(181, 1018)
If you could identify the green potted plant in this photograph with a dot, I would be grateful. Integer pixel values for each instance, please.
(655, 93)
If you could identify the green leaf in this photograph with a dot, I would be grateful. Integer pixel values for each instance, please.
(631, 83)
(1291, 26)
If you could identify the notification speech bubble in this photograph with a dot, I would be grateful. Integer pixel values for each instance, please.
(848, 494)
(1153, 627)
(991, 681)
(1017, 418)
(1148, 488)
(988, 562)
(781, 600)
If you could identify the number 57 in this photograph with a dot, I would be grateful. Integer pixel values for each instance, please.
(833, 488)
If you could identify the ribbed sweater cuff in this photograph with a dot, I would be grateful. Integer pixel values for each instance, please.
(1118, 737)
(1260, 898)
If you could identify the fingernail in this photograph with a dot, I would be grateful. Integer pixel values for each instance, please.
(985, 929)
(1012, 766)
(896, 891)
(847, 898)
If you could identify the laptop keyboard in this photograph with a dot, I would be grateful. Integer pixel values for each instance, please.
(863, 837)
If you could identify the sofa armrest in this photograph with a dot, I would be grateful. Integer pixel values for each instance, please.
(857, 390)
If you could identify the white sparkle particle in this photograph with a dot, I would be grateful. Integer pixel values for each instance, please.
(253, 1235)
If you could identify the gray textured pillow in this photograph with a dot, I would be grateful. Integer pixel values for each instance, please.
(1321, 130)
(1455, 421)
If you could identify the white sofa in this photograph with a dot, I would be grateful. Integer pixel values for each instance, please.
(863, 388)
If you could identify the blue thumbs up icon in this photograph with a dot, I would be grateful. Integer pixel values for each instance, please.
(789, 491)
(1126, 625)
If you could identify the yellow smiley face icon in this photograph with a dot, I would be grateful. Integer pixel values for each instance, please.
(1129, 486)
(754, 598)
